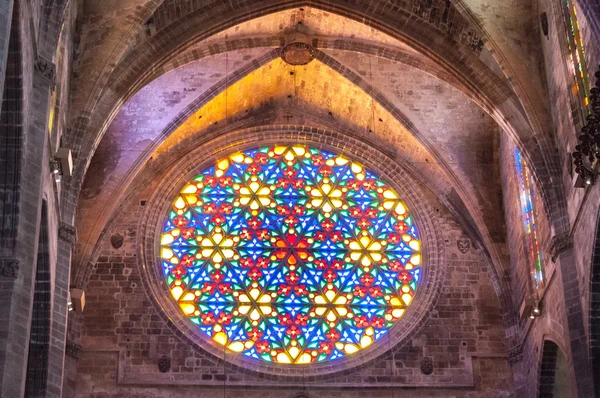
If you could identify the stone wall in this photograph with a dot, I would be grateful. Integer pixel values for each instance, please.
(565, 301)
(124, 336)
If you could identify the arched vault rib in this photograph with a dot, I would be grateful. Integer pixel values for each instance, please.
(251, 88)
(139, 63)
(497, 94)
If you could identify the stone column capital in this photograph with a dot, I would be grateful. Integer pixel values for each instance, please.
(560, 244)
(46, 69)
(67, 233)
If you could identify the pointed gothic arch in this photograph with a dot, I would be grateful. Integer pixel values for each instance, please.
(39, 334)
(554, 376)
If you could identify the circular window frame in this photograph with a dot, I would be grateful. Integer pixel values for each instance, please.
(392, 172)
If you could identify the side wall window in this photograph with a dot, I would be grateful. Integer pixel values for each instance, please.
(578, 73)
(56, 97)
(526, 193)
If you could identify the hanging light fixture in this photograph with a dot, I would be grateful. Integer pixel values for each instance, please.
(55, 168)
(535, 311)
(587, 155)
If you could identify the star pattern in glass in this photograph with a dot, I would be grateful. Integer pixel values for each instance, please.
(290, 255)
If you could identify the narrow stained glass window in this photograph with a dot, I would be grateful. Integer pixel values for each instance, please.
(576, 63)
(291, 255)
(529, 220)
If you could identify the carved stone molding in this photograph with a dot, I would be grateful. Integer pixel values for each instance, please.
(560, 244)
(463, 245)
(164, 364)
(9, 268)
(45, 69)
(116, 241)
(73, 349)
(515, 355)
(298, 53)
(427, 366)
(67, 233)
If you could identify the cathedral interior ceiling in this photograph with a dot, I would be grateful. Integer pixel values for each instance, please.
(235, 76)
(220, 193)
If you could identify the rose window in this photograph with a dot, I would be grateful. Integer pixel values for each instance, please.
(291, 255)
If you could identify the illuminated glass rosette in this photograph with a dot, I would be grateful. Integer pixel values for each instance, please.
(291, 255)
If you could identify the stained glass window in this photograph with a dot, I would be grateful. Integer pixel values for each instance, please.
(55, 94)
(576, 62)
(529, 219)
(292, 255)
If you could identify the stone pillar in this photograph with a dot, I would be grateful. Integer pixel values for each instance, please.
(6, 12)
(562, 250)
(18, 271)
(67, 237)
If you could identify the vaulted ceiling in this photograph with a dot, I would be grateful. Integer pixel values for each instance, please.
(435, 100)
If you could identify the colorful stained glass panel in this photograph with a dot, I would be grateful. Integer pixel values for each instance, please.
(291, 255)
(529, 219)
(576, 57)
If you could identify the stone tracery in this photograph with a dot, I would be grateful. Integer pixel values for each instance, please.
(291, 255)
